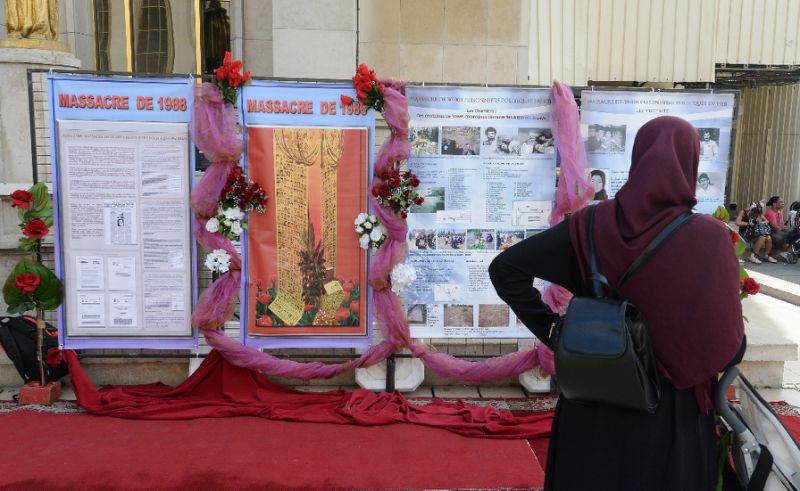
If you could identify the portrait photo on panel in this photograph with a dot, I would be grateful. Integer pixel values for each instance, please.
(599, 181)
(604, 138)
(709, 142)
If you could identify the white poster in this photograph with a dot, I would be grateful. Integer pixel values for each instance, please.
(487, 163)
(610, 120)
(125, 218)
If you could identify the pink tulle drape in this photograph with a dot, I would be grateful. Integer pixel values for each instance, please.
(574, 189)
(213, 129)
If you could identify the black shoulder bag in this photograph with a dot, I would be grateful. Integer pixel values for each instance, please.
(602, 349)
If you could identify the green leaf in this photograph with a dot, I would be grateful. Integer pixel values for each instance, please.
(47, 296)
(721, 214)
(28, 244)
(743, 273)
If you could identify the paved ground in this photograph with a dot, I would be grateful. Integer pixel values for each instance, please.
(786, 272)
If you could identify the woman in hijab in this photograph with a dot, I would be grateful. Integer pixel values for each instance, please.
(689, 293)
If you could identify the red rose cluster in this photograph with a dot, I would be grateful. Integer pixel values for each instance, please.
(749, 286)
(397, 191)
(368, 89)
(230, 77)
(238, 192)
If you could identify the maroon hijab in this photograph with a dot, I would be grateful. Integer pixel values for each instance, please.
(689, 289)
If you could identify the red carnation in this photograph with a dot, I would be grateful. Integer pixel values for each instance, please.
(27, 282)
(342, 314)
(35, 229)
(419, 200)
(346, 100)
(246, 76)
(21, 199)
(750, 286)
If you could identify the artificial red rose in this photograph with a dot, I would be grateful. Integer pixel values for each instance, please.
(246, 76)
(393, 182)
(342, 314)
(403, 215)
(221, 73)
(734, 238)
(354, 305)
(21, 199)
(361, 96)
(234, 79)
(346, 100)
(376, 191)
(35, 229)
(385, 193)
(419, 200)
(227, 59)
(264, 297)
(750, 286)
(264, 321)
(348, 287)
(414, 181)
(406, 175)
(27, 282)
(406, 193)
(396, 174)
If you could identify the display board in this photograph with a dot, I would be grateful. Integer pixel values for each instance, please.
(610, 120)
(122, 167)
(305, 281)
(487, 163)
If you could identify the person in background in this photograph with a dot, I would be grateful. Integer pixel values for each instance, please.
(774, 216)
(694, 319)
(756, 232)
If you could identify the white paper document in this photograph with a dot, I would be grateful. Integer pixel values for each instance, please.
(91, 309)
(90, 273)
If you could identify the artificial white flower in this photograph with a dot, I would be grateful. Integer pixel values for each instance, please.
(236, 228)
(360, 218)
(233, 213)
(367, 225)
(403, 274)
(212, 225)
(218, 260)
(359, 229)
(364, 241)
(376, 235)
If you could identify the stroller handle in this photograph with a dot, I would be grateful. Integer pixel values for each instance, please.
(721, 400)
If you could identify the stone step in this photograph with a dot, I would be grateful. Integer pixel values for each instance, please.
(773, 336)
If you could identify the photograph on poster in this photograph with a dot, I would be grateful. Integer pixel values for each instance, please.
(709, 185)
(447, 292)
(458, 315)
(451, 240)
(417, 314)
(306, 271)
(493, 315)
(606, 139)
(536, 140)
(424, 140)
(599, 181)
(709, 142)
(461, 140)
(434, 200)
(481, 239)
(507, 238)
(489, 142)
(422, 239)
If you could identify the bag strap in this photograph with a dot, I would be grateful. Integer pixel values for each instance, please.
(598, 280)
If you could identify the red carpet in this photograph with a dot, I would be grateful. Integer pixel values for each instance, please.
(80, 451)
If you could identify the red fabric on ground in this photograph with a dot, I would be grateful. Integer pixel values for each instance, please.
(81, 451)
(218, 389)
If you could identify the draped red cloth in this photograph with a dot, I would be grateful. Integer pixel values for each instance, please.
(689, 290)
(218, 389)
